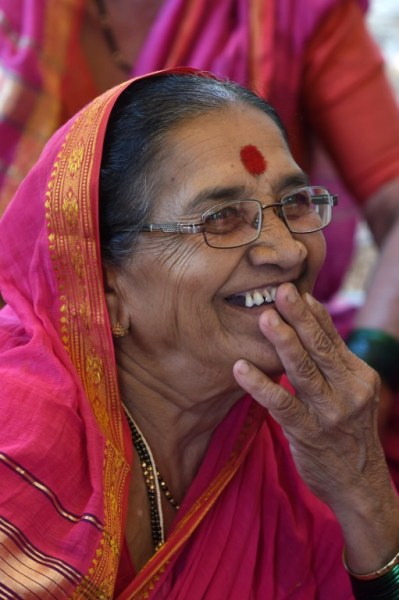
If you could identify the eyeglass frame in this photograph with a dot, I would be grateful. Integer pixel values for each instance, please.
(191, 228)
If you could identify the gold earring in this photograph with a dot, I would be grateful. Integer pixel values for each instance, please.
(118, 331)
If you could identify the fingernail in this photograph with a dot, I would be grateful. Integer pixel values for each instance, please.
(242, 367)
(272, 318)
(309, 299)
(292, 295)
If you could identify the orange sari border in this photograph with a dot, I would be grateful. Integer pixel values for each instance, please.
(74, 249)
(28, 570)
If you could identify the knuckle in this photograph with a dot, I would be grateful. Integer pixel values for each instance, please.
(305, 366)
(369, 388)
(285, 403)
(286, 410)
(260, 386)
(322, 342)
(375, 380)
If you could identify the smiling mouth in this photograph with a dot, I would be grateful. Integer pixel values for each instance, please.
(254, 298)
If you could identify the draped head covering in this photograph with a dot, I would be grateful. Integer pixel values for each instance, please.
(63, 457)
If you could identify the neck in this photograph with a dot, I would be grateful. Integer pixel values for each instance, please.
(177, 429)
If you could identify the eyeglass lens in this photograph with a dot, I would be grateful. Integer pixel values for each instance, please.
(239, 223)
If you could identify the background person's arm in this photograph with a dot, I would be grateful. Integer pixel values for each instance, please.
(352, 106)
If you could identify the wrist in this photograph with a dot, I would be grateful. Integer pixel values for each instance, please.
(382, 584)
(384, 570)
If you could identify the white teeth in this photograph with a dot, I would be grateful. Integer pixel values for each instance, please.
(267, 295)
(248, 300)
(258, 298)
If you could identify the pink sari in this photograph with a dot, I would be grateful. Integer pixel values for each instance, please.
(248, 527)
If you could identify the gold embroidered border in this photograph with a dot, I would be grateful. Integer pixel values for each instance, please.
(84, 330)
(28, 572)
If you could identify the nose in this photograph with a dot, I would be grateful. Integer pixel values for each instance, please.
(276, 245)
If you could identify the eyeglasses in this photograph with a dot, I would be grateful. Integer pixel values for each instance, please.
(239, 222)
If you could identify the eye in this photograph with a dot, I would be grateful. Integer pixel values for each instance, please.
(226, 212)
(224, 219)
(298, 204)
(298, 198)
(307, 210)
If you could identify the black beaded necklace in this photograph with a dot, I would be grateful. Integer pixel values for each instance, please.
(154, 483)
(109, 37)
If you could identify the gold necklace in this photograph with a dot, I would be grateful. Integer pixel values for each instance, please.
(154, 483)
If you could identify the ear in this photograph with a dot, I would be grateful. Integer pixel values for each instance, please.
(113, 288)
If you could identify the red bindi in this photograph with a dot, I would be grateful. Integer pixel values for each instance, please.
(253, 160)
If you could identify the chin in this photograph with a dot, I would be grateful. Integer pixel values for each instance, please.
(274, 371)
(266, 360)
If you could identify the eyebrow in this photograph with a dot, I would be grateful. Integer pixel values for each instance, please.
(217, 193)
(297, 179)
(230, 193)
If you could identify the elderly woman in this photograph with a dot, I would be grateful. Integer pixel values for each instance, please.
(157, 264)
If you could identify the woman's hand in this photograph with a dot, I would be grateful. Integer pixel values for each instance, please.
(331, 423)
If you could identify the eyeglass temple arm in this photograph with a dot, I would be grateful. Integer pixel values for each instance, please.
(332, 200)
(174, 227)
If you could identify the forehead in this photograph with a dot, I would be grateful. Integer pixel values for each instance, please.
(237, 146)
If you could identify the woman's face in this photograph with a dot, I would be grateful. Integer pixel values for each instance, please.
(182, 297)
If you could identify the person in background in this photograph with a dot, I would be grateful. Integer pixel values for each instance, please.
(313, 59)
(169, 459)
